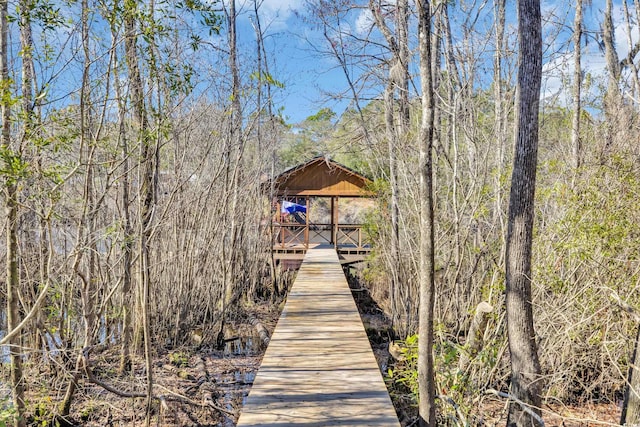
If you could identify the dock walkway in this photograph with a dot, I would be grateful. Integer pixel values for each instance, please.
(319, 369)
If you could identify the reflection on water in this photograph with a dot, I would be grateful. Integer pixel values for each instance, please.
(242, 341)
(55, 346)
(234, 387)
(242, 346)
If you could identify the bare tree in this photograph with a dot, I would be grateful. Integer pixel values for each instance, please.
(127, 228)
(426, 374)
(11, 158)
(146, 190)
(84, 260)
(499, 104)
(613, 98)
(397, 126)
(577, 86)
(526, 381)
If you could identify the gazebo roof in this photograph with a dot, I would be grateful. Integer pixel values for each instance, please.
(321, 176)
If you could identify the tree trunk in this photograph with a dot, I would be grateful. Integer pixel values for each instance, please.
(396, 131)
(612, 98)
(11, 225)
(146, 192)
(631, 406)
(426, 374)
(402, 24)
(233, 154)
(128, 238)
(394, 248)
(13, 314)
(500, 123)
(526, 382)
(86, 224)
(577, 87)
(26, 143)
(475, 338)
(630, 62)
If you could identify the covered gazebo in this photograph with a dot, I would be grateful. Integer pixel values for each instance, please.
(293, 228)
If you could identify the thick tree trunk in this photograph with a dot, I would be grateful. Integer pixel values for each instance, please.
(426, 374)
(526, 382)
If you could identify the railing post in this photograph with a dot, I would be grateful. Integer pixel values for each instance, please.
(335, 220)
(306, 228)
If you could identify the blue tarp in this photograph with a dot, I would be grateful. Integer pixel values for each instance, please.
(290, 207)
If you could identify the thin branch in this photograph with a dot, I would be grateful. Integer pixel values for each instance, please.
(526, 408)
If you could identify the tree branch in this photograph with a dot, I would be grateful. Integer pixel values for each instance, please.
(172, 396)
(526, 408)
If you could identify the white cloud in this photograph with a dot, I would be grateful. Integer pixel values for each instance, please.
(274, 13)
(364, 22)
(558, 75)
(558, 72)
(621, 35)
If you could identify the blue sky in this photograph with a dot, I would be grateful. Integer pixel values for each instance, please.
(311, 77)
(294, 62)
(559, 66)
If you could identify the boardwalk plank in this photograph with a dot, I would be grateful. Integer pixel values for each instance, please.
(319, 369)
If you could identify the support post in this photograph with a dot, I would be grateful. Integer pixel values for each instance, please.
(281, 230)
(335, 220)
(306, 218)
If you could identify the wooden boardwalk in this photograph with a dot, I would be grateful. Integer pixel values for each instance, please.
(319, 369)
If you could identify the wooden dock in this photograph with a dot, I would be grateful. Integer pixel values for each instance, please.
(319, 369)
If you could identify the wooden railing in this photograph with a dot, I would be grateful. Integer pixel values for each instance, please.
(351, 235)
(289, 235)
(286, 235)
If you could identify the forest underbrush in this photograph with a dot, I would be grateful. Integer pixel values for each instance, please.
(194, 385)
(478, 407)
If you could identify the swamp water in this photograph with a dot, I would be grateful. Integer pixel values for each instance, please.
(239, 363)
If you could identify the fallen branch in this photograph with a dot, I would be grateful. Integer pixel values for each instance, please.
(92, 378)
(525, 407)
(162, 398)
(261, 330)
